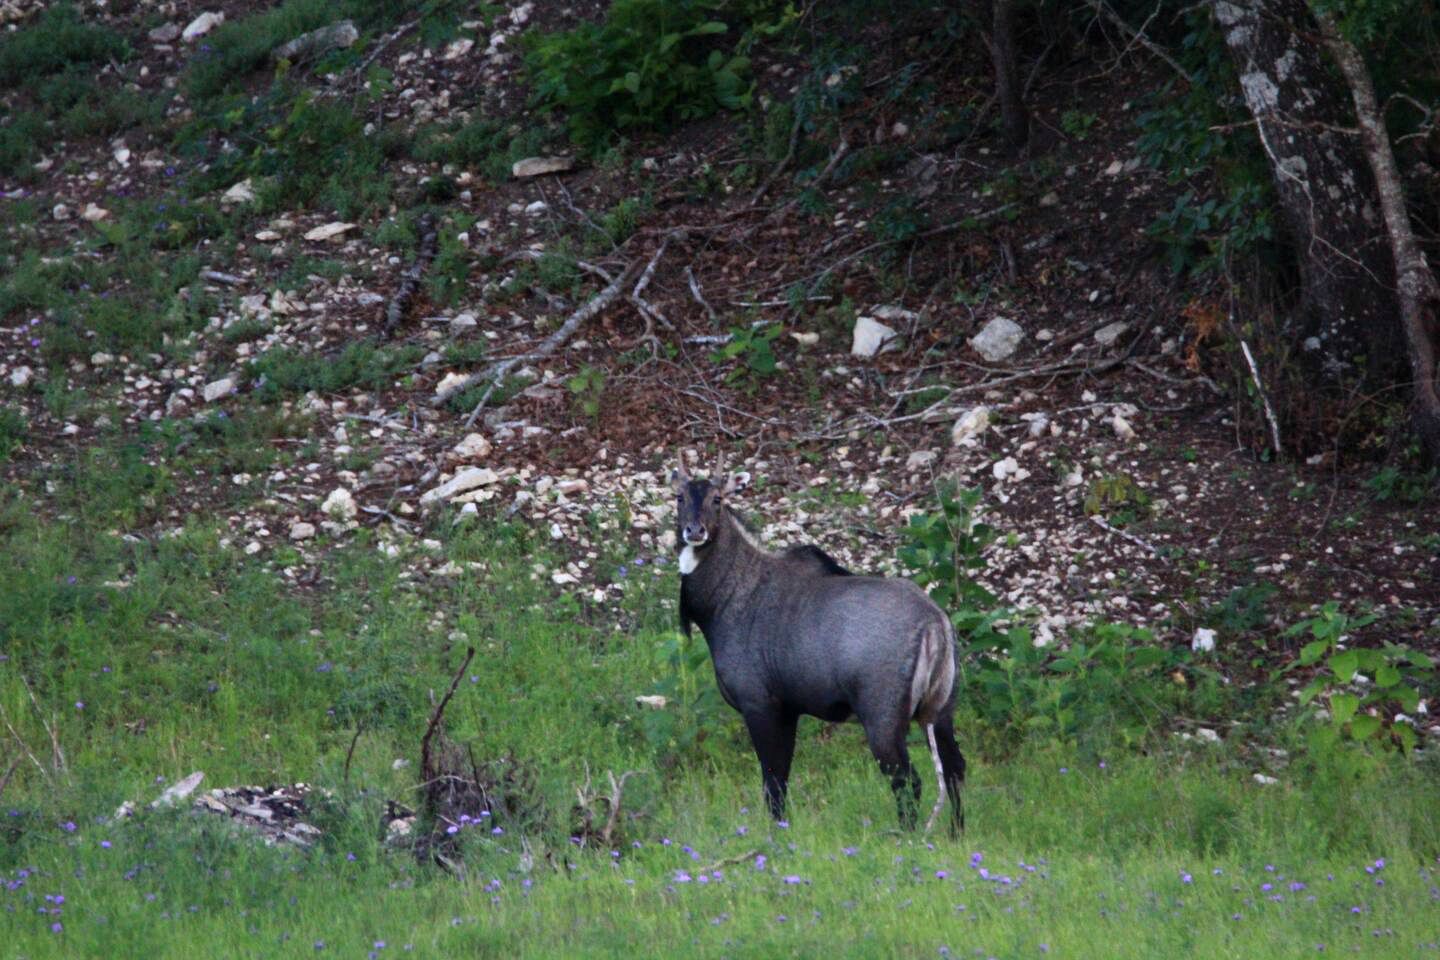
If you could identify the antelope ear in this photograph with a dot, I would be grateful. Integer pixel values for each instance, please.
(736, 483)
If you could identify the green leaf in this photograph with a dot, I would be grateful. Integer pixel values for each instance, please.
(1407, 736)
(1364, 727)
(668, 41)
(1407, 697)
(1312, 652)
(1387, 676)
(632, 82)
(1343, 665)
(708, 27)
(1343, 707)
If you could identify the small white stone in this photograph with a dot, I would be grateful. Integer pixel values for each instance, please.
(871, 337)
(21, 376)
(654, 702)
(218, 389)
(242, 192)
(539, 166)
(340, 504)
(253, 547)
(969, 427)
(998, 339)
(1108, 334)
(1264, 780)
(467, 479)
(94, 213)
(1122, 428)
(462, 322)
(1203, 641)
(920, 459)
(536, 207)
(473, 447)
(202, 25)
(302, 530)
(329, 231)
(60, 212)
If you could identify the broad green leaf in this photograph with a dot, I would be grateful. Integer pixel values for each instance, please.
(632, 82)
(1343, 707)
(1343, 665)
(1364, 727)
(668, 41)
(709, 27)
(1312, 652)
(1407, 697)
(1387, 676)
(1407, 736)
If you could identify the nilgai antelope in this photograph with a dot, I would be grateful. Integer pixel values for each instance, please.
(795, 633)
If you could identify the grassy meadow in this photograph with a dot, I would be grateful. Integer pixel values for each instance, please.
(148, 660)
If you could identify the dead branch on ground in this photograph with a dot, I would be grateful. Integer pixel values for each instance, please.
(410, 280)
(427, 764)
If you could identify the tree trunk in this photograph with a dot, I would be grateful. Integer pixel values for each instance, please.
(1348, 306)
(1419, 293)
(997, 19)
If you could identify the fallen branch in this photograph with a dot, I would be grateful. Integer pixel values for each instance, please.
(496, 374)
(10, 772)
(229, 279)
(779, 167)
(426, 769)
(394, 35)
(617, 787)
(731, 861)
(1264, 398)
(1104, 525)
(700, 297)
(410, 280)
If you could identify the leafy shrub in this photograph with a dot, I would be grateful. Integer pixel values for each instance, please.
(60, 40)
(1111, 679)
(649, 65)
(752, 345)
(286, 371)
(12, 431)
(20, 141)
(1393, 677)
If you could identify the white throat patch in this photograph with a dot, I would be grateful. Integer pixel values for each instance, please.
(689, 560)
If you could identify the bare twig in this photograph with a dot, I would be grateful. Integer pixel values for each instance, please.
(779, 167)
(1138, 36)
(57, 755)
(496, 373)
(700, 296)
(1264, 398)
(10, 772)
(617, 787)
(731, 861)
(394, 35)
(426, 770)
(20, 742)
(1115, 531)
(229, 279)
(410, 280)
(349, 754)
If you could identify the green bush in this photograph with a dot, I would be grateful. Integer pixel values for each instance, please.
(286, 371)
(649, 65)
(60, 40)
(13, 428)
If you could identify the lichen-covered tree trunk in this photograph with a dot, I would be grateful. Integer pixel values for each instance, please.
(1419, 291)
(1348, 307)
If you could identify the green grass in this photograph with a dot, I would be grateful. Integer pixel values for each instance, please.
(153, 658)
(59, 41)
